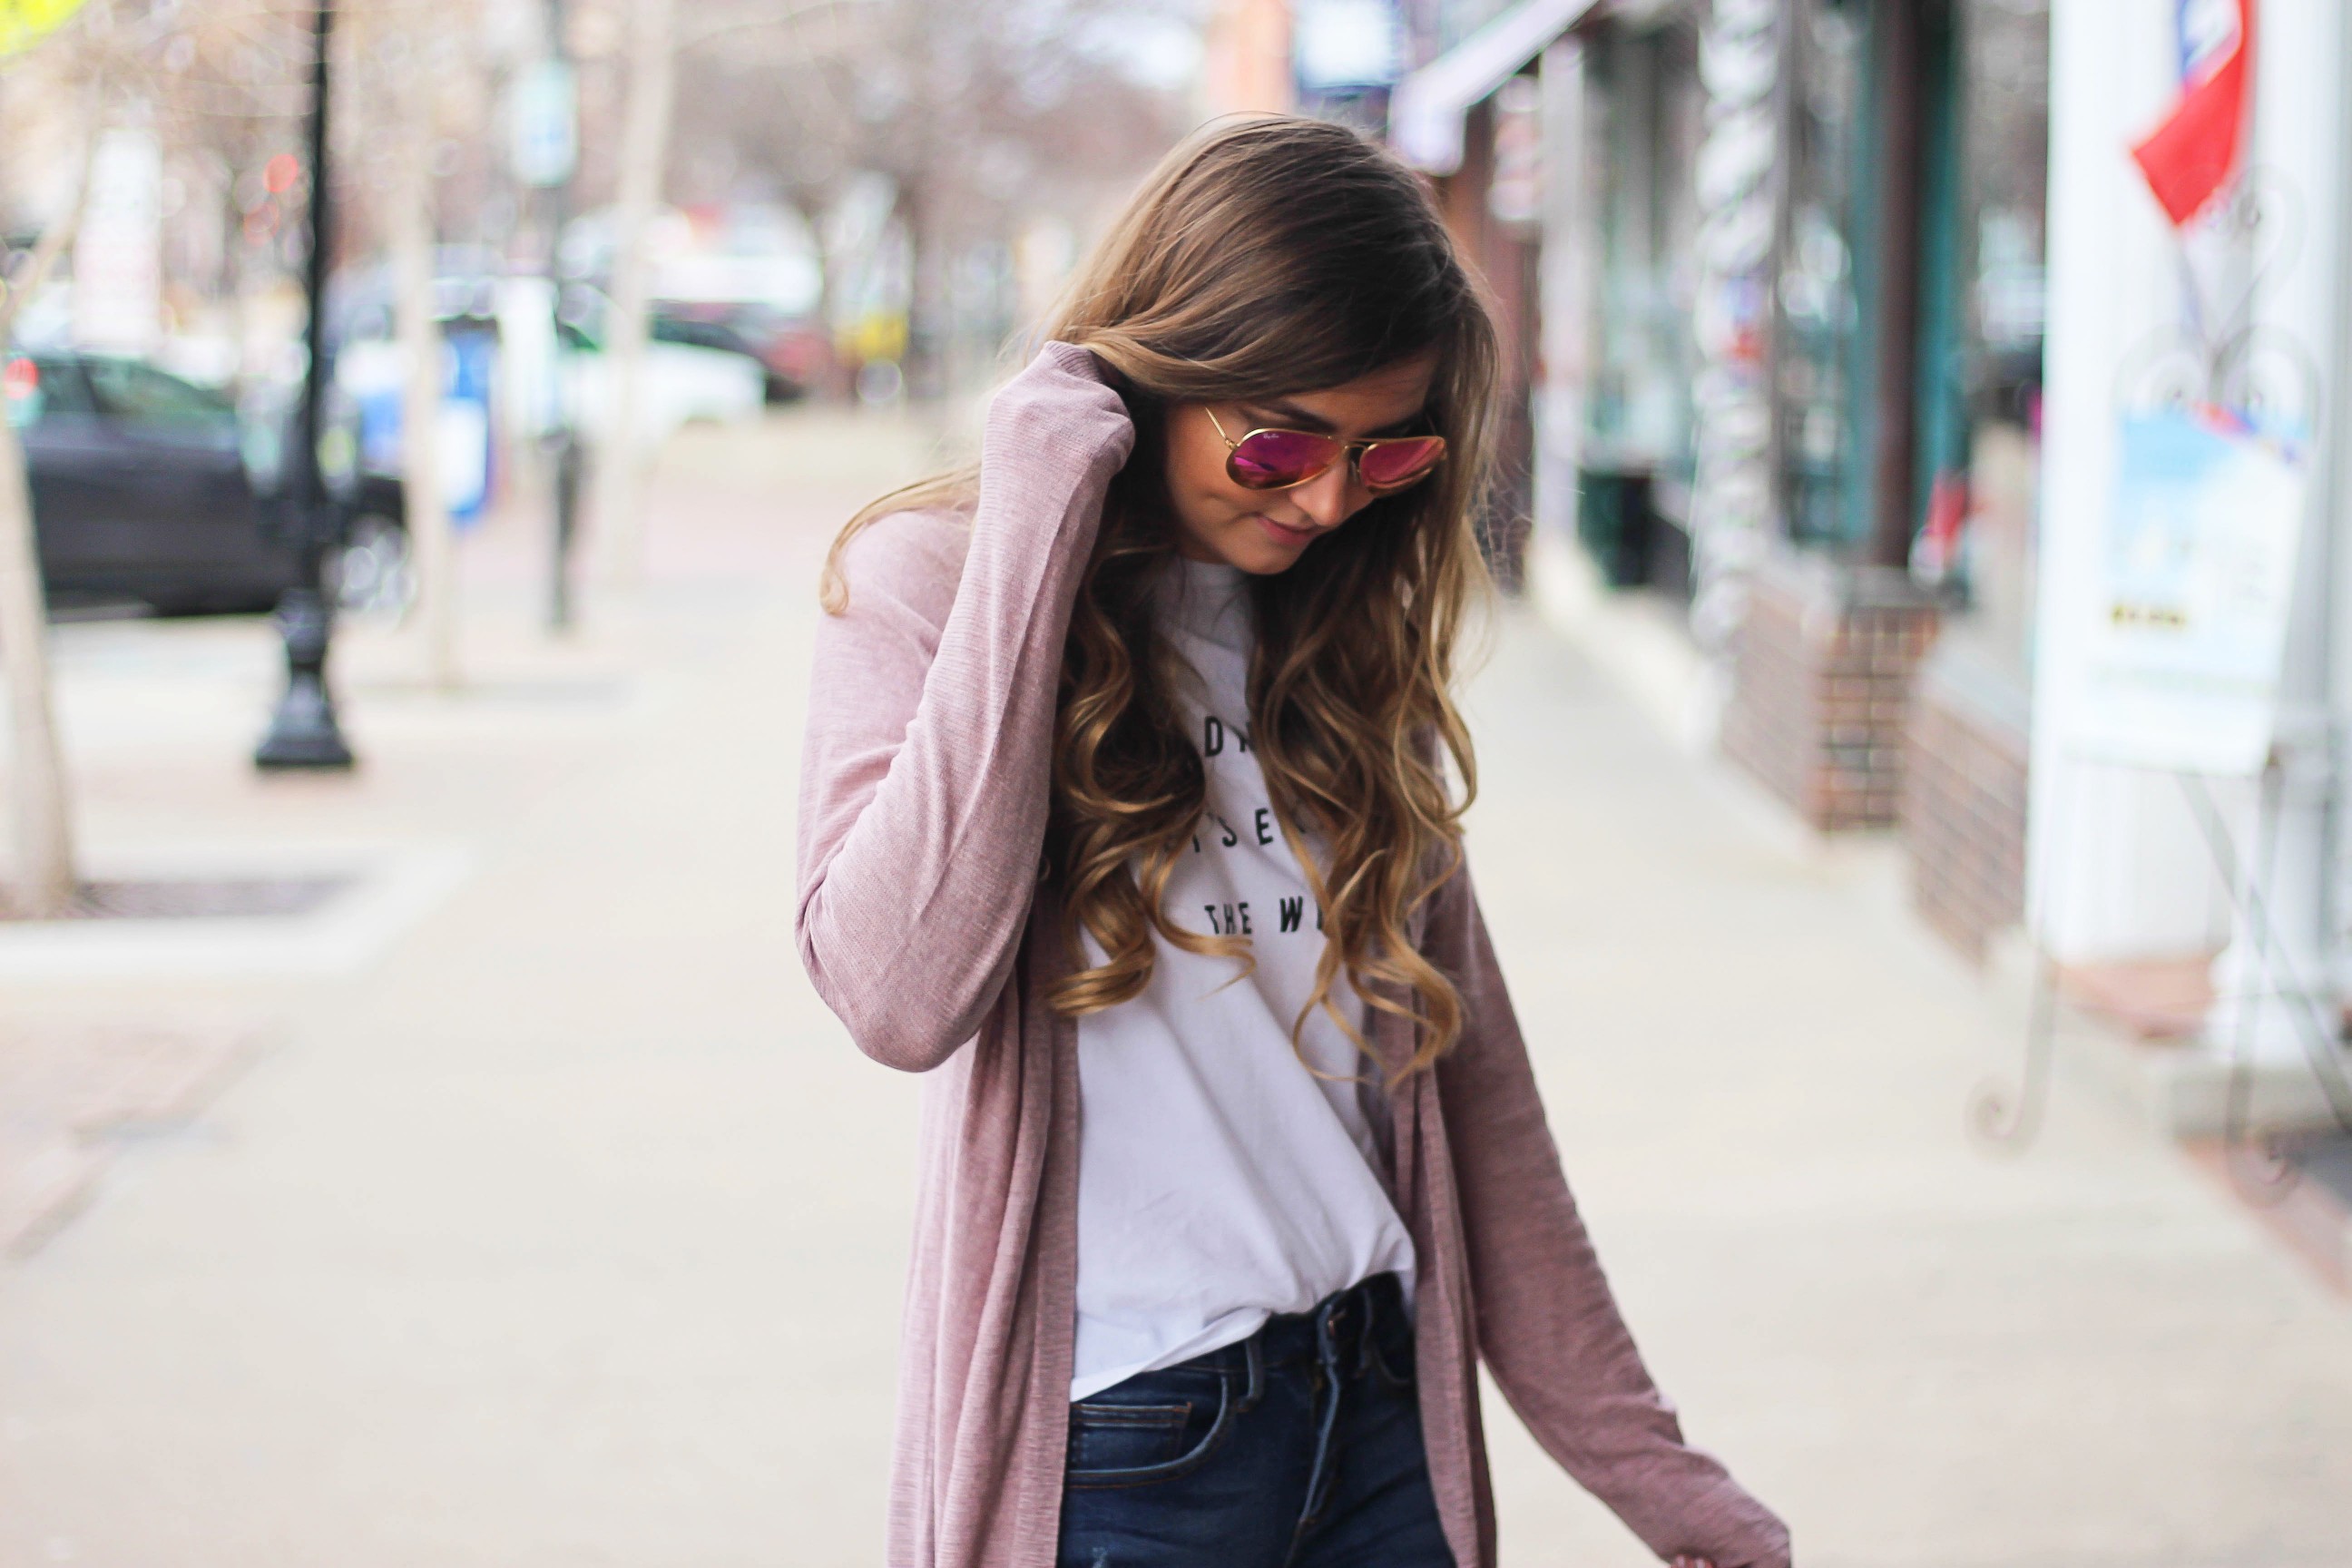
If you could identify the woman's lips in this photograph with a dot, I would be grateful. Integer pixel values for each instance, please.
(1290, 538)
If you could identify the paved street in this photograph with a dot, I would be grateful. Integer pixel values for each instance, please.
(551, 1221)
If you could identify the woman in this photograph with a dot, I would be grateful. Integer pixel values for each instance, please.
(1125, 820)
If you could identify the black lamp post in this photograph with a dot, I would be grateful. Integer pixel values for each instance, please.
(303, 731)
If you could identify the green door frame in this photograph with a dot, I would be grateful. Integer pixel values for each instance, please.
(1903, 419)
(1940, 391)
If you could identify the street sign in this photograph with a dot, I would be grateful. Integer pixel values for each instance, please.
(545, 111)
(2188, 639)
(24, 23)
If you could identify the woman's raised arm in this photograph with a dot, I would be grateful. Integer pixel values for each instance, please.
(925, 775)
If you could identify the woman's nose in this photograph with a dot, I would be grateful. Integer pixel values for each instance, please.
(1328, 498)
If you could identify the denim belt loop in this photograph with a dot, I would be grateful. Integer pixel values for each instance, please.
(1253, 1364)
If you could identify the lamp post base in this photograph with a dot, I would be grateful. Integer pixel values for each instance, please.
(303, 731)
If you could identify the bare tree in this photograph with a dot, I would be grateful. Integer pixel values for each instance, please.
(407, 62)
(227, 73)
(83, 60)
(225, 86)
(983, 113)
(232, 90)
(410, 229)
(621, 458)
(43, 816)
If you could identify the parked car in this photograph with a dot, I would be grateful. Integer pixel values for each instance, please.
(149, 489)
(793, 352)
(686, 380)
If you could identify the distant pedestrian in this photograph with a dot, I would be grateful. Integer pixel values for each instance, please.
(1126, 819)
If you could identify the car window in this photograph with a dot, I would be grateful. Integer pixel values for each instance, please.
(694, 334)
(52, 387)
(129, 390)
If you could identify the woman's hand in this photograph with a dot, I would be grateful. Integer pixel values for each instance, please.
(1060, 408)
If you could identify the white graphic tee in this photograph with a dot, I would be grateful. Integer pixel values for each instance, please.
(1219, 1181)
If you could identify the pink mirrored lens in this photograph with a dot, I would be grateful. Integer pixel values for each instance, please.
(1393, 463)
(1270, 459)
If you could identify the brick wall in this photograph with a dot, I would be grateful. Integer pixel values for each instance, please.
(1964, 794)
(1822, 672)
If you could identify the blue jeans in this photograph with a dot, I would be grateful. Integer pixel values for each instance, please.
(1300, 1447)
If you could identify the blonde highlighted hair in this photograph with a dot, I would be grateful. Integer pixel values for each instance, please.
(1266, 256)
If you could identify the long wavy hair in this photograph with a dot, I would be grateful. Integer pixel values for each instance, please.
(1266, 256)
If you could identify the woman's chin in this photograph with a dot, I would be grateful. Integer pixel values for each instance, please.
(1265, 562)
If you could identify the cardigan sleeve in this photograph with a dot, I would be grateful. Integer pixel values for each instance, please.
(1547, 1326)
(926, 768)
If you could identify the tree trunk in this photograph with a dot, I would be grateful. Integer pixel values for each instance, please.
(429, 534)
(45, 878)
(45, 854)
(930, 324)
(622, 449)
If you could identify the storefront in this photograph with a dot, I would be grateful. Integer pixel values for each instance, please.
(1850, 322)
(1630, 440)
(1782, 348)
(2200, 803)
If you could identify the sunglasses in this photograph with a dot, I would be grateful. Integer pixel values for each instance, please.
(1282, 459)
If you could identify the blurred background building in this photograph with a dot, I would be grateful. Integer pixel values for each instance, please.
(1826, 320)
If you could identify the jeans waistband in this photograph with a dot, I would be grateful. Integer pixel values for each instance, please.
(1373, 1307)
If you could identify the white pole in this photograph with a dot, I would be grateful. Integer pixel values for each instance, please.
(2115, 869)
(622, 453)
(429, 534)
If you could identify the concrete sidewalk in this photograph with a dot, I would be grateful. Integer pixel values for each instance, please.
(1757, 1068)
(566, 1228)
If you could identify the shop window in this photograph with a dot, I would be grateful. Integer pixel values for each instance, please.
(1648, 111)
(1983, 431)
(1817, 362)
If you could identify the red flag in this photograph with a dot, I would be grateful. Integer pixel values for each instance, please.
(2189, 157)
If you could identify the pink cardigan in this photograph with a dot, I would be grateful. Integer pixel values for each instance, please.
(925, 924)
